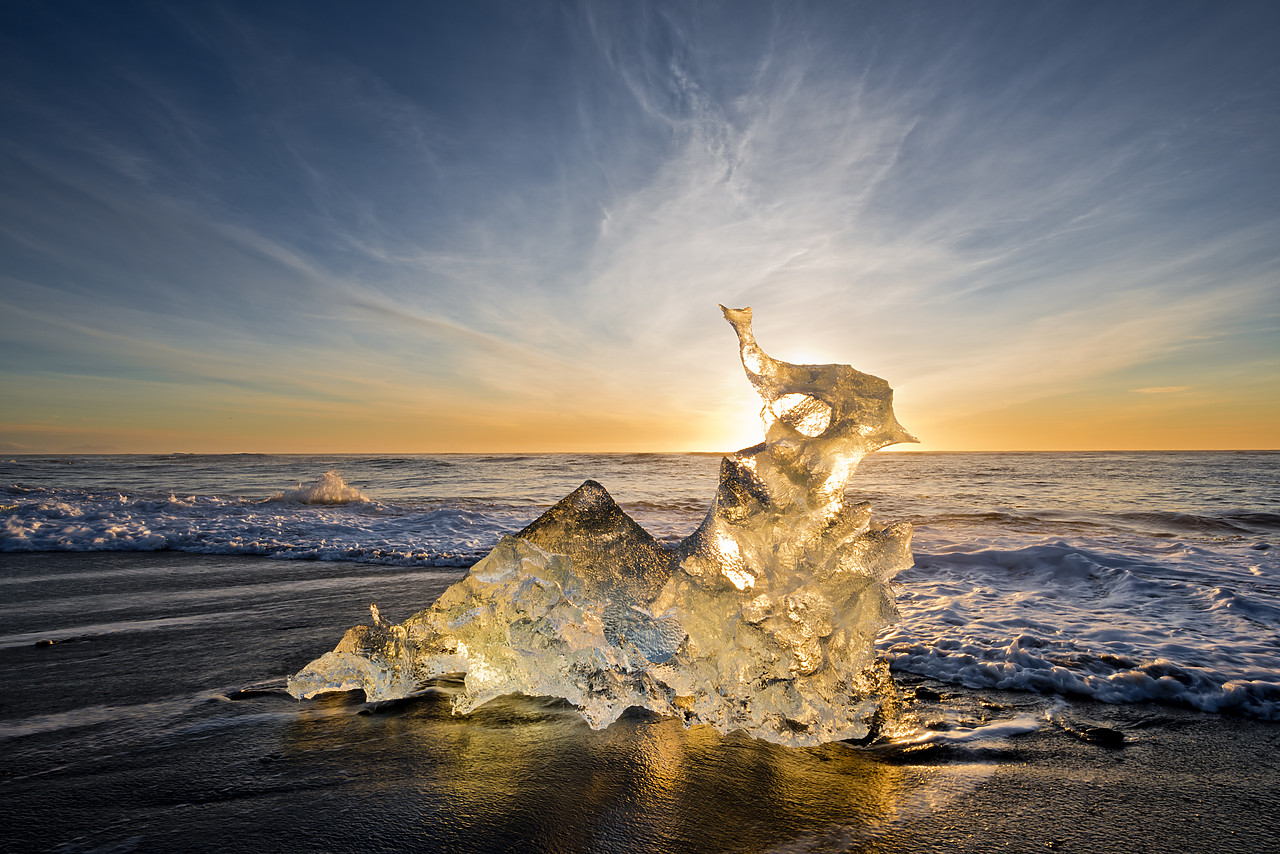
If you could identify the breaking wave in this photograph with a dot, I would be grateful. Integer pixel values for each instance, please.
(330, 488)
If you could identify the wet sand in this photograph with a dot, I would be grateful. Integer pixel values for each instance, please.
(338, 775)
(1182, 781)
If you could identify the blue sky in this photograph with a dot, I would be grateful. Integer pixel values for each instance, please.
(506, 226)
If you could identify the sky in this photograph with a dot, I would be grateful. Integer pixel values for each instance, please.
(506, 226)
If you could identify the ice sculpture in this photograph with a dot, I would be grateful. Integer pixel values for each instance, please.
(762, 620)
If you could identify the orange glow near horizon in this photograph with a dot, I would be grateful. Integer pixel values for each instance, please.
(633, 404)
(1030, 426)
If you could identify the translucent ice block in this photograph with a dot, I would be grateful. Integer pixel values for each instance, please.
(762, 620)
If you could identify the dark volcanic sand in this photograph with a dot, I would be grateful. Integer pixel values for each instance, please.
(136, 740)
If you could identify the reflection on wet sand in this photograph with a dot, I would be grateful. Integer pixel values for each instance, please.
(530, 774)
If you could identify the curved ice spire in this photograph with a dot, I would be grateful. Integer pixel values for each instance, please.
(756, 361)
(860, 406)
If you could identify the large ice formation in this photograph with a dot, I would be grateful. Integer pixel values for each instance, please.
(762, 620)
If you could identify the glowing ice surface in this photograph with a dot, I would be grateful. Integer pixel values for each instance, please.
(762, 620)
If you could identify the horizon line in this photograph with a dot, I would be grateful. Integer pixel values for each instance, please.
(107, 453)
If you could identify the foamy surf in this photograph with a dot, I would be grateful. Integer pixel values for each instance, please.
(323, 520)
(1117, 627)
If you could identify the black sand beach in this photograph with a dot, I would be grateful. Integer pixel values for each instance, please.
(176, 735)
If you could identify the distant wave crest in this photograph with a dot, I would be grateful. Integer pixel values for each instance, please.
(329, 489)
(1228, 523)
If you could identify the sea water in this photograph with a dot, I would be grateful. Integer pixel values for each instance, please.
(1124, 576)
(131, 622)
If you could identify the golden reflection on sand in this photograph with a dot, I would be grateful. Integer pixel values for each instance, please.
(530, 771)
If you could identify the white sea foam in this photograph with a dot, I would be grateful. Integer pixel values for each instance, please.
(1120, 628)
(326, 520)
(985, 734)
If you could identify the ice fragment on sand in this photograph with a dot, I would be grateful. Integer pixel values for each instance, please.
(762, 620)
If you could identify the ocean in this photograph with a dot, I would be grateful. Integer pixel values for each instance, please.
(151, 607)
